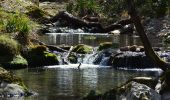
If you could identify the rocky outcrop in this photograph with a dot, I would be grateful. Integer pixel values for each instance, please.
(137, 91)
(134, 89)
(10, 85)
(40, 56)
(132, 60)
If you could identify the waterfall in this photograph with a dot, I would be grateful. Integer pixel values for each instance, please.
(104, 61)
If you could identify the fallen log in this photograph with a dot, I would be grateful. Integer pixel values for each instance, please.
(76, 22)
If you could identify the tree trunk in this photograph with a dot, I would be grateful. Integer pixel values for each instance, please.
(78, 23)
(139, 28)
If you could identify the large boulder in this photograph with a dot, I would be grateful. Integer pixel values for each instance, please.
(137, 91)
(39, 56)
(131, 90)
(10, 85)
(132, 60)
(82, 48)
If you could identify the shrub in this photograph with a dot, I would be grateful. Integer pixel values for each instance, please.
(18, 23)
(8, 48)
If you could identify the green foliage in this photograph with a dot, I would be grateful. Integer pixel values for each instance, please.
(8, 48)
(18, 62)
(17, 23)
(83, 7)
(152, 8)
(116, 8)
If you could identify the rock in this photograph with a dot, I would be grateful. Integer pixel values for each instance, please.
(107, 45)
(137, 91)
(18, 62)
(11, 85)
(73, 58)
(106, 53)
(39, 56)
(133, 48)
(126, 48)
(93, 95)
(149, 81)
(165, 86)
(82, 48)
(132, 60)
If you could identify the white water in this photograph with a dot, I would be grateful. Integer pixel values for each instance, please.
(75, 66)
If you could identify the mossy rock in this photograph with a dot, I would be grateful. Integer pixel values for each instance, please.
(18, 62)
(107, 45)
(10, 78)
(82, 48)
(73, 58)
(39, 56)
(8, 48)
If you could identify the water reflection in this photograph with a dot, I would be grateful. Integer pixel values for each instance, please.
(62, 83)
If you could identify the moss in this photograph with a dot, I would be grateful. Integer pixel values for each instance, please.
(38, 56)
(82, 48)
(37, 14)
(8, 48)
(38, 49)
(10, 78)
(107, 45)
(73, 58)
(17, 63)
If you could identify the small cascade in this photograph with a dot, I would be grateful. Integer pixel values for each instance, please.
(104, 61)
(87, 58)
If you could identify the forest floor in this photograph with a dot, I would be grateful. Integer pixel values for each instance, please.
(53, 7)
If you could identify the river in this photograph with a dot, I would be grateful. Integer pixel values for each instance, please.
(67, 82)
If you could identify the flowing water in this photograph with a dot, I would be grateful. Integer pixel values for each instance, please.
(67, 82)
